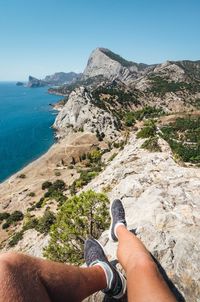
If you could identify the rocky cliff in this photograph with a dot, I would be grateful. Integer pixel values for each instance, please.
(110, 65)
(81, 114)
(58, 78)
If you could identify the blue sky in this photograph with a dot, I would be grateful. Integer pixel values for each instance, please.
(41, 37)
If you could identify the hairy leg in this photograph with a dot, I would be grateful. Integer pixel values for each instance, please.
(25, 278)
(144, 282)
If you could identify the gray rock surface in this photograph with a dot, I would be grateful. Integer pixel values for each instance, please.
(80, 114)
(162, 203)
(104, 62)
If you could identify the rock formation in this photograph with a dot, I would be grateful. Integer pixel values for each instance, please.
(106, 63)
(58, 78)
(162, 205)
(80, 114)
(34, 83)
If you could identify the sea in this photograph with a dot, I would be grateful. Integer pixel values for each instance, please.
(25, 126)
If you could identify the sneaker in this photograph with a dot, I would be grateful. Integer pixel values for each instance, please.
(94, 255)
(117, 214)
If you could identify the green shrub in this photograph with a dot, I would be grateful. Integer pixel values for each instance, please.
(58, 185)
(129, 119)
(149, 130)
(45, 222)
(5, 225)
(95, 156)
(22, 176)
(14, 217)
(151, 145)
(31, 194)
(30, 224)
(4, 216)
(16, 238)
(47, 184)
(39, 204)
(81, 216)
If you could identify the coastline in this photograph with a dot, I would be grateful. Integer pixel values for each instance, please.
(14, 191)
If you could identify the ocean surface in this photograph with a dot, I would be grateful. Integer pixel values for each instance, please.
(25, 121)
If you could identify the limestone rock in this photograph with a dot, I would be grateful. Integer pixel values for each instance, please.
(80, 114)
(104, 62)
(162, 204)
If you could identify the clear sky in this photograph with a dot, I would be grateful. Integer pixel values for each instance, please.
(40, 37)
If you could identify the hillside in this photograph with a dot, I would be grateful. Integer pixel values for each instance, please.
(56, 79)
(129, 131)
(171, 85)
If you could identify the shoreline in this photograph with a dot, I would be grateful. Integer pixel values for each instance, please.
(14, 190)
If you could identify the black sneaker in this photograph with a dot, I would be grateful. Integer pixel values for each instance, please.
(94, 254)
(117, 214)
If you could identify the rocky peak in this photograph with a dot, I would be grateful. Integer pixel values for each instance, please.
(34, 82)
(104, 62)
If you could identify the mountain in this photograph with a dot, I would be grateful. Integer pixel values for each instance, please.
(130, 131)
(58, 78)
(104, 62)
(34, 82)
(172, 85)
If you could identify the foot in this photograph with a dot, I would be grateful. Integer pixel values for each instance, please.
(117, 214)
(94, 255)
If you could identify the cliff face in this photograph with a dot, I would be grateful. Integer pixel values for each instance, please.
(80, 114)
(58, 78)
(34, 83)
(104, 62)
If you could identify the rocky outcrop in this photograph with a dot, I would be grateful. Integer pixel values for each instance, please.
(20, 84)
(106, 63)
(35, 83)
(58, 78)
(162, 204)
(80, 114)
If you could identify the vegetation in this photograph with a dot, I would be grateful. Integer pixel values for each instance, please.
(11, 218)
(22, 176)
(161, 86)
(149, 130)
(4, 216)
(44, 223)
(47, 184)
(147, 112)
(151, 144)
(183, 137)
(118, 58)
(31, 194)
(87, 174)
(79, 217)
(16, 238)
(41, 225)
(115, 94)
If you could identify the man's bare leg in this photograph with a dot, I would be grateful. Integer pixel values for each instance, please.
(144, 282)
(28, 279)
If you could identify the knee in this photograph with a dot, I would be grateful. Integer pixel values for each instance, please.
(142, 263)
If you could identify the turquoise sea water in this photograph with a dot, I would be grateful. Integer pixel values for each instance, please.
(25, 121)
